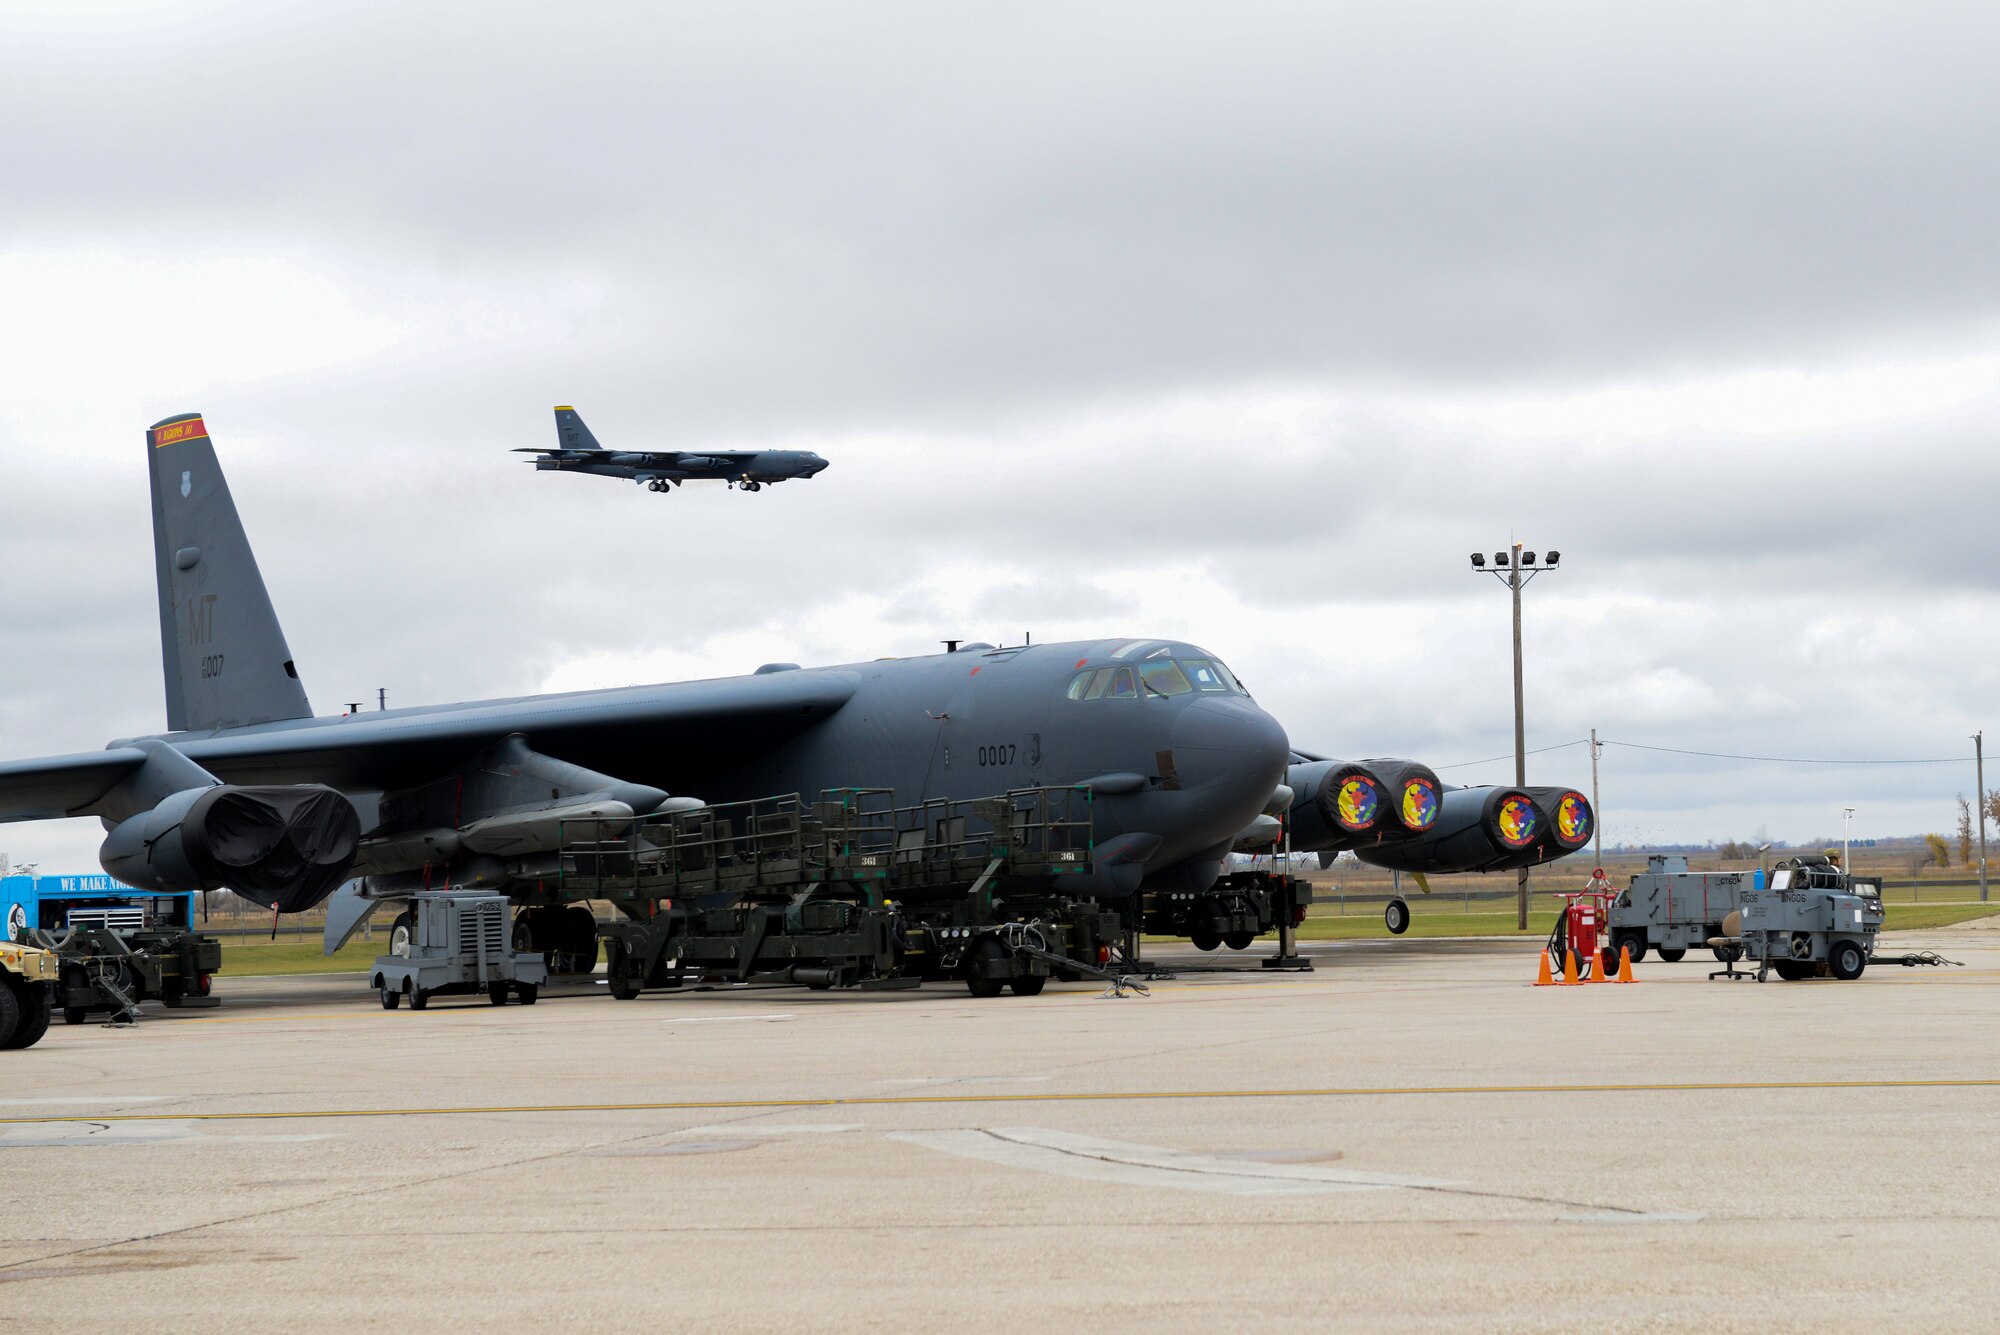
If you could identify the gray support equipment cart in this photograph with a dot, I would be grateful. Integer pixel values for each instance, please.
(1812, 921)
(1671, 909)
(459, 942)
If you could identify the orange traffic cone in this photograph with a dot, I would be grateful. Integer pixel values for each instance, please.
(1569, 969)
(1625, 965)
(1542, 978)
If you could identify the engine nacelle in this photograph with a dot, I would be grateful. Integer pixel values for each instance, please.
(285, 847)
(1346, 804)
(1477, 829)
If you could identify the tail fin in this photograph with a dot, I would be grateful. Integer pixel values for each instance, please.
(225, 657)
(571, 433)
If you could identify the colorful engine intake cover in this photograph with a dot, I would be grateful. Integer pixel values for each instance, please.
(1358, 802)
(1573, 819)
(1420, 805)
(1517, 819)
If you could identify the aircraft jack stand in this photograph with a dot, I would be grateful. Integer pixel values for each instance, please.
(1288, 956)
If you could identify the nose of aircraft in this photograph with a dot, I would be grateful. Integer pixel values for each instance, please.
(1233, 751)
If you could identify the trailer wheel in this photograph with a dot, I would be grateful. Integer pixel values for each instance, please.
(497, 993)
(1634, 943)
(1204, 939)
(1396, 916)
(1725, 954)
(527, 992)
(1028, 985)
(390, 998)
(1240, 940)
(417, 996)
(1846, 961)
(1673, 954)
(1794, 971)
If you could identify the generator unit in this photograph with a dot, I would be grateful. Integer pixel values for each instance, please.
(1811, 919)
(1671, 909)
(459, 942)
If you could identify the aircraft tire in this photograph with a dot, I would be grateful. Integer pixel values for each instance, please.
(1028, 985)
(1675, 954)
(401, 931)
(1204, 939)
(1239, 940)
(1396, 916)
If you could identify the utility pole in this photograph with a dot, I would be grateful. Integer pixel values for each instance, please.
(1846, 819)
(381, 697)
(1979, 800)
(1508, 567)
(1596, 821)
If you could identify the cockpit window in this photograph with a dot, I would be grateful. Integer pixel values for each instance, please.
(1210, 675)
(1156, 677)
(1163, 677)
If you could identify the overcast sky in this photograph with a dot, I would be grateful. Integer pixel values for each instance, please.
(1239, 323)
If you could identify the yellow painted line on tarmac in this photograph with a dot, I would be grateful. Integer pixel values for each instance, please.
(949, 1100)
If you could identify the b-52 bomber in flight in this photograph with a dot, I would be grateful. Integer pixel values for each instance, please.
(249, 791)
(577, 451)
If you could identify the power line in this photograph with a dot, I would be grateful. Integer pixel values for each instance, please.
(1581, 741)
(1770, 760)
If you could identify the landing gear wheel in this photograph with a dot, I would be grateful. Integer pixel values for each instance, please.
(1794, 971)
(391, 998)
(1028, 985)
(1635, 945)
(753, 486)
(1396, 916)
(400, 933)
(1846, 961)
(1723, 954)
(1675, 954)
(497, 993)
(527, 992)
(1239, 940)
(1204, 939)
(37, 1009)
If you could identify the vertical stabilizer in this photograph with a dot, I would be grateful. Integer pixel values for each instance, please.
(225, 657)
(571, 433)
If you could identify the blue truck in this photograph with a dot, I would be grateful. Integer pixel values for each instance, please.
(116, 945)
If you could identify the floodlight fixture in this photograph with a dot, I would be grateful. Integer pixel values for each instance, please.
(1479, 560)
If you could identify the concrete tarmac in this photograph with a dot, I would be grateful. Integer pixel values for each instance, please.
(1412, 1137)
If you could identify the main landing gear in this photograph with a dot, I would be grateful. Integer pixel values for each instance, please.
(660, 485)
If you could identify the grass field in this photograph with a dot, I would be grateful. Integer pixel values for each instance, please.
(256, 956)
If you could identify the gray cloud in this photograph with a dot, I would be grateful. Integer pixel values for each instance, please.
(1240, 326)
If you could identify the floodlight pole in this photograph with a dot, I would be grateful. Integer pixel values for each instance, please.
(1846, 818)
(1520, 730)
(1508, 567)
(1979, 800)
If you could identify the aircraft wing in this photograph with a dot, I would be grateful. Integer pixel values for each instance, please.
(57, 786)
(620, 732)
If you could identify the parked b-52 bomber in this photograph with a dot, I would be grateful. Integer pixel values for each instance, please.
(992, 814)
(577, 451)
